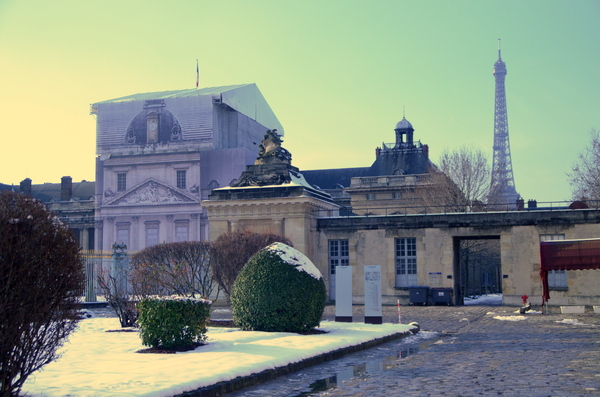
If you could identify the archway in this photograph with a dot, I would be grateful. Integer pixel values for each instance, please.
(477, 266)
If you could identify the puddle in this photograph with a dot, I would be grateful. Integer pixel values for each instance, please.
(362, 370)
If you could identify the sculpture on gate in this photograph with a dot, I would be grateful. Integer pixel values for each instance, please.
(271, 151)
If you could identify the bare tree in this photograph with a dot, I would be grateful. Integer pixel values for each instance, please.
(469, 169)
(173, 268)
(118, 298)
(41, 280)
(585, 174)
(231, 251)
(439, 193)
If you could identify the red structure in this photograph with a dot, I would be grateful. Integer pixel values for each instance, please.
(567, 255)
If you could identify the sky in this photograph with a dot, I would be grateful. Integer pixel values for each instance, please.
(339, 75)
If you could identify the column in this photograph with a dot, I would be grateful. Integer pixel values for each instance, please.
(169, 229)
(195, 234)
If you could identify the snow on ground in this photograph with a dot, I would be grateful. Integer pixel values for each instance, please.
(510, 318)
(488, 300)
(98, 363)
(570, 321)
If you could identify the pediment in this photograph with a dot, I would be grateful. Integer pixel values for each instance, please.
(152, 192)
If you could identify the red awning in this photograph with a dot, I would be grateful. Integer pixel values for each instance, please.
(567, 255)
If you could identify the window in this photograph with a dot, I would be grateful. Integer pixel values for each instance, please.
(181, 180)
(152, 125)
(396, 195)
(121, 182)
(182, 231)
(557, 279)
(370, 196)
(338, 254)
(406, 262)
(123, 233)
(152, 236)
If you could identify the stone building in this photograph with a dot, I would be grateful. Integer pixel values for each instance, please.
(72, 202)
(161, 153)
(413, 249)
(402, 178)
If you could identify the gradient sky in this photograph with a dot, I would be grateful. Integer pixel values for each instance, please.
(337, 73)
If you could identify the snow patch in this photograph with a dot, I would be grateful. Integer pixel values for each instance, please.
(104, 364)
(510, 318)
(570, 321)
(489, 300)
(295, 258)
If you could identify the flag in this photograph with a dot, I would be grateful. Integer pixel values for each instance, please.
(197, 74)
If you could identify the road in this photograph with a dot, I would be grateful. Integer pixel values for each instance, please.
(463, 351)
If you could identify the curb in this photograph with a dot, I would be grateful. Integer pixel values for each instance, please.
(221, 388)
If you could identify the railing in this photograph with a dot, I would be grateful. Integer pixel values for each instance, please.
(346, 212)
(77, 219)
(403, 145)
(95, 263)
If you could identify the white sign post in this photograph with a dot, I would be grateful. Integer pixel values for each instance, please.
(373, 313)
(343, 294)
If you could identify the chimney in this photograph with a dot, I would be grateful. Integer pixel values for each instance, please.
(25, 186)
(66, 188)
(520, 204)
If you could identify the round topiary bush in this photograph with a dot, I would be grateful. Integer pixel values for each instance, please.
(279, 290)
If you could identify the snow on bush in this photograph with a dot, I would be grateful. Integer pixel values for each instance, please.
(279, 290)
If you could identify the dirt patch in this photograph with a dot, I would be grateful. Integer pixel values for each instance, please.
(123, 330)
(221, 323)
(157, 350)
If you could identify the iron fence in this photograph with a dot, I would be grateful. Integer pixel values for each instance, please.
(95, 263)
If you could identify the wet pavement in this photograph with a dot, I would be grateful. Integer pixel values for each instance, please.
(462, 351)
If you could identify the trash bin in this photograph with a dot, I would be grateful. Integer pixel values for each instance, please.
(418, 295)
(441, 295)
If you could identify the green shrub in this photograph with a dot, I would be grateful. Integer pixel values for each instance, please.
(279, 290)
(173, 322)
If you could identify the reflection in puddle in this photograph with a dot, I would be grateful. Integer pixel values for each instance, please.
(359, 370)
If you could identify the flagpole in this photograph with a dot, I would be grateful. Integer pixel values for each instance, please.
(197, 74)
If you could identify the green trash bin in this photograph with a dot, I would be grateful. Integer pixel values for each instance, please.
(418, 295)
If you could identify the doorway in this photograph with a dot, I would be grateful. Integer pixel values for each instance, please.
(477, 267)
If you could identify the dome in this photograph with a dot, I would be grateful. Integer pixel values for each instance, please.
(404, 124)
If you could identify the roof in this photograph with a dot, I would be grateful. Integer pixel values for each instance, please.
(176, 93)
(244, 98)
(46, 192)
(4, 187)
(404, 124)
(334, 178)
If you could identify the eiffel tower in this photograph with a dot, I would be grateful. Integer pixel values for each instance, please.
(502, 188)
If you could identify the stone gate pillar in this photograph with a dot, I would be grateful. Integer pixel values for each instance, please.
(271, 196)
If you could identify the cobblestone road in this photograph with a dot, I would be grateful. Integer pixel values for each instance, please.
(477, 351)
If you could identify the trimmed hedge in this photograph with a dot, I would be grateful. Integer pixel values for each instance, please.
(273, 295)
(173, 322)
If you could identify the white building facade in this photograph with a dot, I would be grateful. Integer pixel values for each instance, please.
(161, 153)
